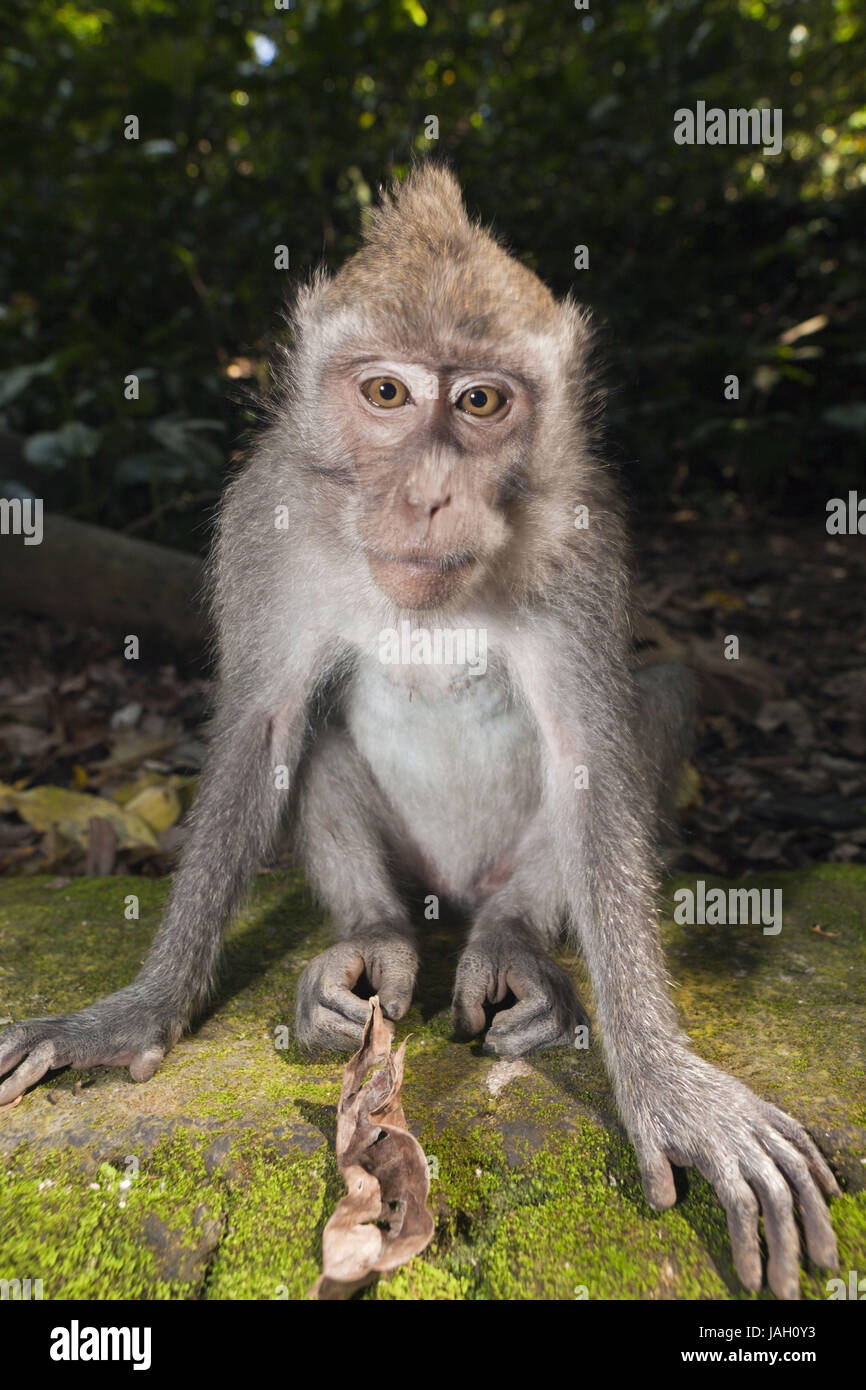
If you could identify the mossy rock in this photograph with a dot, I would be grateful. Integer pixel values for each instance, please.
(214, 1180)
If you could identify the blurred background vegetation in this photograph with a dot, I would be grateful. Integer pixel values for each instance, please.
(263, 126)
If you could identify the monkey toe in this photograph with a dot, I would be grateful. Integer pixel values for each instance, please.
(329, 1016)
(142, 1067)
(656, 1177)
(28, 1071)
(468, 1019)
(547, 1009)
(475, 988)
(531, 1025)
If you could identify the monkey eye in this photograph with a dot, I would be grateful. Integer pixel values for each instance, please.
(385, 391)
(480, 400)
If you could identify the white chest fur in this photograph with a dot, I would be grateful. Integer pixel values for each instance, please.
(456, 756)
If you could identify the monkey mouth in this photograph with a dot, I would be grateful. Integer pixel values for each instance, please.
(415, 580)
(438, 564)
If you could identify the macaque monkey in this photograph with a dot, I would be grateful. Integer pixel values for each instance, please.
(430, 453)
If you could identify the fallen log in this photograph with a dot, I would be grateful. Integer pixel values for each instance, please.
(87, 574)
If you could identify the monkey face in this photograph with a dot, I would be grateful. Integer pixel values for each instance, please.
(435, 448)
(437, 387)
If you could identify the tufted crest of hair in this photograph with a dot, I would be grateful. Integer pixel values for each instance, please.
(424, 272)
(422, 256)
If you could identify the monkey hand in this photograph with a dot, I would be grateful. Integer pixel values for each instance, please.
(547, 1010)
(757, 1158)
(124, 1029)
(328, 1014)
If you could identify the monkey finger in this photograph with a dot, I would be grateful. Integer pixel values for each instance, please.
(533, 976)
(523, 982)
(142, 1067)
(342, 1002)
(741, 1210)
(476, 983)
(13, 1049)
(333, 1032)
(777, 1209)
(819, 1233)
(31, 1070)
(529, 1025)
(393, 978)
(796, 1135)
(499, 985)
(657, 1177)
(342, 966)
(468, 1018)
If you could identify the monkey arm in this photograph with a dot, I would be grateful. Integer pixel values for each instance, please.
(234, 820)
(677, 1108)
(236, 814)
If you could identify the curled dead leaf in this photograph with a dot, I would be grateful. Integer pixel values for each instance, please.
(383, 1220)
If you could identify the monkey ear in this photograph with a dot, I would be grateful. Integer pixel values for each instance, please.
(309, 302)
(578, 345)
(576, 321)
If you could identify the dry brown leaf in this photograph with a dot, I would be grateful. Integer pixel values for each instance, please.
(130, 749)
(383, 1220)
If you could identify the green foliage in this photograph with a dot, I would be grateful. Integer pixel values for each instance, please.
(262, 127)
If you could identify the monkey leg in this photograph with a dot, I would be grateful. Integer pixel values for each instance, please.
(506, 951)
(340, 835)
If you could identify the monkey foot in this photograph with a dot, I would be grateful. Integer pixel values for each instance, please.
(547, 1009)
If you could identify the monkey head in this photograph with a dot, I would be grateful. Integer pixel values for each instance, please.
(435, 364)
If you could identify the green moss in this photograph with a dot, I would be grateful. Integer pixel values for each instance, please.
(273, 1240)
(420, 1280)
(107, 1234)
(536, 1192)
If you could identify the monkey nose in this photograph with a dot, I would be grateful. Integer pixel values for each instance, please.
(427, 507)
